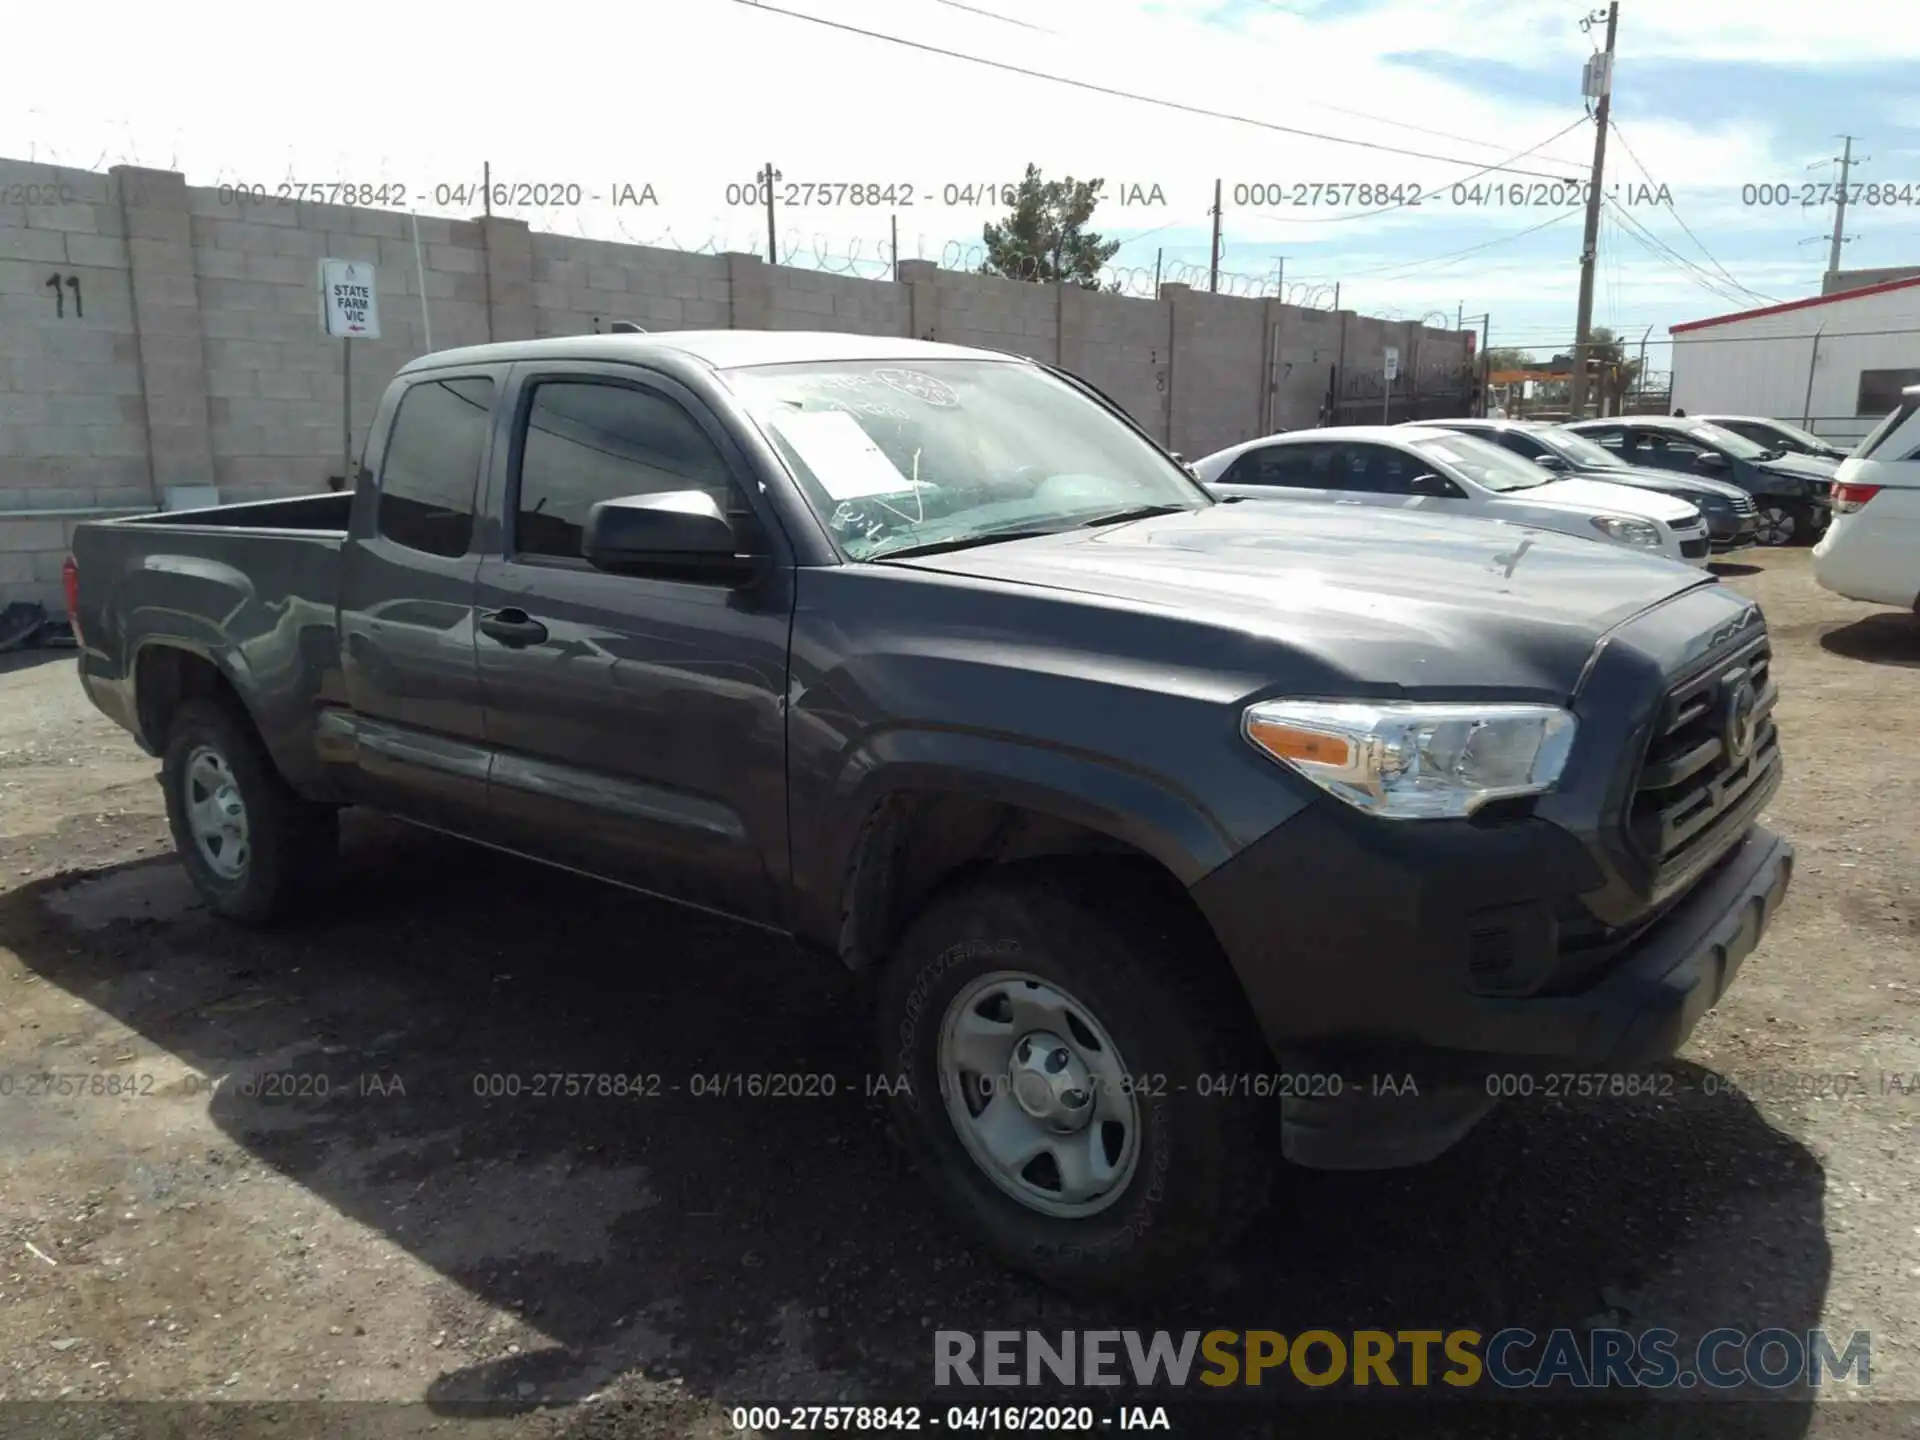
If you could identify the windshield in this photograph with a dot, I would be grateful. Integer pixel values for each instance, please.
(1577, 450)
(897, 456)
(1737, 446)
(1483, 462)
(1804, 437)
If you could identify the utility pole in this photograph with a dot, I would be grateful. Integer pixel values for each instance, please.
(1640, 380)
(1156, 272)
(1600, 84)
(1213, 274)
(1847, 162)
(1280, 279)
(770, 176)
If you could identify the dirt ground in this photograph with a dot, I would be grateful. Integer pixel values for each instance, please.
(266, 1170)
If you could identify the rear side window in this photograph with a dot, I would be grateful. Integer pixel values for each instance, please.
(433, 465)
(1285, 466)
(588, 442)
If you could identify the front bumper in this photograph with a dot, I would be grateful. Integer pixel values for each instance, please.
(1729, 531)
(1375, 985)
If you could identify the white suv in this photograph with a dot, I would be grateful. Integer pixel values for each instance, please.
(1872, 550)
(1442, 472)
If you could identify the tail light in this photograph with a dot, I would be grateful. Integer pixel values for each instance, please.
(70, 581)
(1849, 498)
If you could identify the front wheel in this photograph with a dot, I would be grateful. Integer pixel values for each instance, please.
(1050, 1035)
(1783, 522)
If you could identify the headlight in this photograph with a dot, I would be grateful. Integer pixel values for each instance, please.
(1416, 761)
(1628, 531)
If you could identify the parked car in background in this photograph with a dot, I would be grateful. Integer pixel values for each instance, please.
(1779, 435)
(1791, 492)
(1729, 511)
(926, 658)
(1440, 472)
(1872, 550)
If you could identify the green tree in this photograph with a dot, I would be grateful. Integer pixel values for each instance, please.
(1609, 349)
(1045, 238)
(1508, 357)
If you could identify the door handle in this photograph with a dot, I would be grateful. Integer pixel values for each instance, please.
(513, 627)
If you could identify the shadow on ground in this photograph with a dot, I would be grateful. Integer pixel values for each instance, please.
(1732, 570)
(775, 1249)
(1891, 637)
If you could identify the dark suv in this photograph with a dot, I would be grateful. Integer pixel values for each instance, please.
(1729, 511)
(1793, 492)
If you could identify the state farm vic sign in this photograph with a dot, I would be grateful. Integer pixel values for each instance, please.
(349, 305)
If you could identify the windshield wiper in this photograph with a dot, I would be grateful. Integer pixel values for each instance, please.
(963, 542)
(1136, 512)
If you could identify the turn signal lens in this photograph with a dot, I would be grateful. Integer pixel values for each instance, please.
(1849, 498)
(1291, 742)
(1411, 761)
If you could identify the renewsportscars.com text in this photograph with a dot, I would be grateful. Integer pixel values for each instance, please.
(1510, 1359)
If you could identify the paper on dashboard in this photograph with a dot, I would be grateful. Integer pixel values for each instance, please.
(841, 455)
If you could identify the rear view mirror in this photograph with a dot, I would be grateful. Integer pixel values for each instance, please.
(673, 533)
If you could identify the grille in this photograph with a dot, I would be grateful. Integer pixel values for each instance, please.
(1693, 549)
(1743, 505)
(1692, 794)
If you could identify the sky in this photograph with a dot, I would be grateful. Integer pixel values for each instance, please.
(1473, 105)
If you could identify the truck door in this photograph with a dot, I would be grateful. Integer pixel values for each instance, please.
(411, 738)
(638, 724)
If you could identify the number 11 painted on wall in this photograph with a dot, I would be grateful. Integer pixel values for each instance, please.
(60, 297)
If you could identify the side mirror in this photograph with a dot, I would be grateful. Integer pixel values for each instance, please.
(1430, 484)
(1550, 462)
(676, 534)
(1710, 460)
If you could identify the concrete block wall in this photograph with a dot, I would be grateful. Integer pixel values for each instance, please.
(197, 358)
(72, 416)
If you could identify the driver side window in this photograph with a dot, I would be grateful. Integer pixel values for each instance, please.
(586, 441)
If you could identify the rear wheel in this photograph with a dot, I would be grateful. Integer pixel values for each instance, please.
(1059, 1044)
(252, 847)
(1783, 522)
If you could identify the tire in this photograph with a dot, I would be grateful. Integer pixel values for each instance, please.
(285, 846)
(1782, 523)
(1200, 1165)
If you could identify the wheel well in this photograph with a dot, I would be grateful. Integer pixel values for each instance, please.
(918, 842)
(164, 677)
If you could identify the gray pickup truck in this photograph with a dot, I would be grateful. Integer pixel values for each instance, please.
(1179, 834)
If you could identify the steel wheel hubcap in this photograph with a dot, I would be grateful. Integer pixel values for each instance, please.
(1038, 1094)
(216, 815)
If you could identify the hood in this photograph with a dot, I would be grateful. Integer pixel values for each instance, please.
(1589, 496)
(1805, 467)
(1646, 477)
(1387, 601)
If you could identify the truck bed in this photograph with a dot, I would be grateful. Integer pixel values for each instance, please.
(250, 588)
(302, 512)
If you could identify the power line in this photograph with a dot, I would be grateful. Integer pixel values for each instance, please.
(1406, 266)
(1115, 93)
(1768, 299)
(1660, 250)
(1503, 164)
(995, 15)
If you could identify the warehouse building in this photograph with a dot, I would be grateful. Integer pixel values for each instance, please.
(1834, 364)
